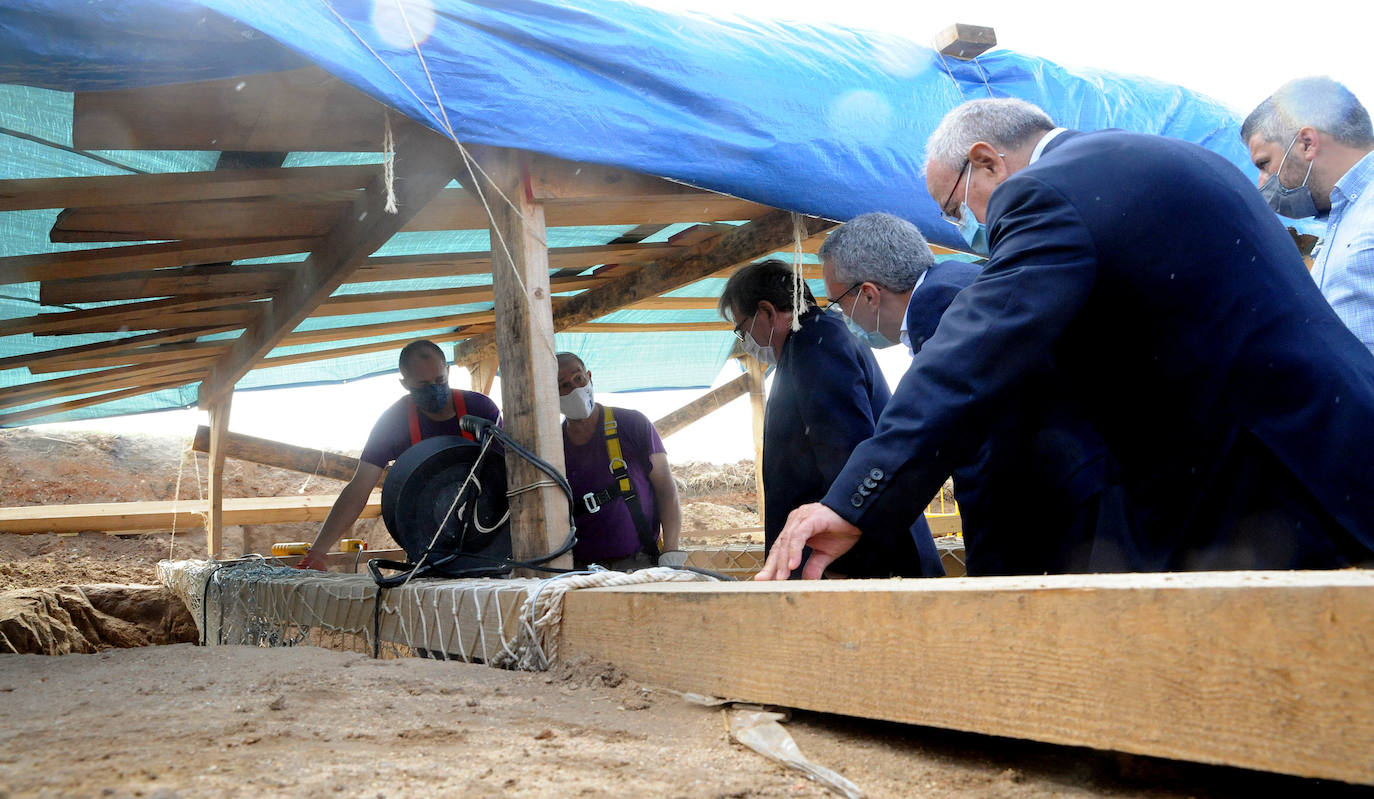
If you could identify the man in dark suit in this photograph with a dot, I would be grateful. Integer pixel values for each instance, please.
(1174, 306)
(1038, 493)
(827, 394)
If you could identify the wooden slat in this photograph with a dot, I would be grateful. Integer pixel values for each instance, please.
(374, 302)
(674, 304)
(424, 163)
(143, 356)
(209, 220)
(30, 414)
(316, 462)
(101, 190)
(116, 516)
(701, 406)
(44, 360)
(651, 327)
(234, 316)
(740, 244)
(302, 109)
(105, 380)
(456, 209)
(177, 281)
(1263, 670)
(123, 316)
(552, 179)
(322, 335)
(136, 257)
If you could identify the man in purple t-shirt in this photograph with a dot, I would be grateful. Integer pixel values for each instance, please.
(608, 528)
(429, 409)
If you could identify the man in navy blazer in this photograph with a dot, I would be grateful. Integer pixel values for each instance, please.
(1174, 306)
(1039, 493)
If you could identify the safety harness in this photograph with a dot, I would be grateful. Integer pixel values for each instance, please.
(460, 407)
(623, 489)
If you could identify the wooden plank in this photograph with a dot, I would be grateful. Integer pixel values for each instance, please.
(310, 216)
(111, 317)
(457, 209)
(452, 321)
(1263, 670)
(173, 187)
(651, 327)
(373, 302)
(424, 163)
(107, 379)
(30, 414)
(701, 406)
(301, 109)
(483, 374)
(553, 179)
(539, 518)
(141, 356)
(234, 316)
(219, 429)
(740, 244)
(44, 360)
(180, 281)
(315, 462)
(132, 258)
(754, 371)
(105, 516)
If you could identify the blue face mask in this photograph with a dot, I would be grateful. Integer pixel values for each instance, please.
(876, 339)
(1294, 203)
(432, 398)
(975, 233)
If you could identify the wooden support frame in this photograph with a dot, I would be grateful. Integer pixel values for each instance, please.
(539, 517)
(483, 374)
(754, 372)
(219, 431)
(119, 517)
(707, 403)
(425, 162)
(315, 462)
(1263, 670)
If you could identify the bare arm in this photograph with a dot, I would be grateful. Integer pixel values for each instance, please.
(347, 508)
(665, 498)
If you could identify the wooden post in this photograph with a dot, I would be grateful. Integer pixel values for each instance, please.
(539, 518)
(483, 374)
(754, 370)
(219, 434)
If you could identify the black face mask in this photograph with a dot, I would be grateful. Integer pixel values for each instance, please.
(432, 398)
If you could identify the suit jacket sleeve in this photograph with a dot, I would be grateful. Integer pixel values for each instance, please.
(1040, 273)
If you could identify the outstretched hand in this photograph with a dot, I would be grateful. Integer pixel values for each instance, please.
(311, 561)
(816, 526)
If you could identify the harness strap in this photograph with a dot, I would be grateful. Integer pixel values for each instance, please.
(460, 407)
(620, 470)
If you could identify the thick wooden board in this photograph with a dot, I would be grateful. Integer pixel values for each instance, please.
(283, 456)
(207, 220)
(136, 257)
(86, 402)
(105, 380)
(45, 360)
(1264, 670)
(113, 516)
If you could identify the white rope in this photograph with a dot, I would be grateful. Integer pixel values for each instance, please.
(798, 280)
(389, 164)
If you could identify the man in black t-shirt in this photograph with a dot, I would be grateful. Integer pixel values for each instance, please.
(430, 409)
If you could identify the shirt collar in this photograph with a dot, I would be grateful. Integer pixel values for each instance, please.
(905, 337)
(1044, 140)
(1357, 179)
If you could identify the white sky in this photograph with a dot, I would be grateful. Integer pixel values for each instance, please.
(1235, 52)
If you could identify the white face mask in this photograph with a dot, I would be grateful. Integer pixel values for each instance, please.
(578, 403)
(757, 351)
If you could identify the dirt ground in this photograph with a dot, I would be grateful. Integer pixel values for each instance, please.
(184, 721)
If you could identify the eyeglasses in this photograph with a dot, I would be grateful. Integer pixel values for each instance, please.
(739, 330)
(834, 301)
(945, 215)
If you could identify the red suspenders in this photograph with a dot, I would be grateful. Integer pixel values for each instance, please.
(460, 407)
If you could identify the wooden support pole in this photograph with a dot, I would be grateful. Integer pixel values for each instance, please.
(306, 460)
(754, 372)
(539, 518)
(219, 431)
(483, 374)
(1262, 670)
(707, 403)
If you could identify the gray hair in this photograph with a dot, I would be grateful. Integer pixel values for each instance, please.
(878, 248)
(1318, 102)
(1004, 122)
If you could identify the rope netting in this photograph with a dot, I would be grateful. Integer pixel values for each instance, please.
(503, 622)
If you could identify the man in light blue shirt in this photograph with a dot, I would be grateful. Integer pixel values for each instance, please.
(1314, 147)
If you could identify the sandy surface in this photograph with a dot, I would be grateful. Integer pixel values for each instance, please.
(183, 721)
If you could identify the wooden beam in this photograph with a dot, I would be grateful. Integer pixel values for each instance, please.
(483, 374)
(450, 321)
(707, 403)
(107, 379)
(754, 371)
(141, 356)
(112, 317)
(1262, 670)
(539, 518)
(45, 360)
(315, 462)
(133, 516)
(651, 327)
(174, 187)
(233, 316)
(301, 109)
(554, 179)
(307, 217)
(965, 42)
(219, 430)
(373, 302)
(424, 163)
(132, 258)
(457, 209)
(85, 402)
(763, 235)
